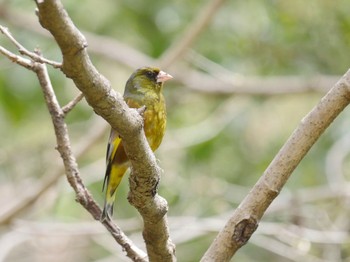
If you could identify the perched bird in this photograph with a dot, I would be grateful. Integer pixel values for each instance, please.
(143, 89)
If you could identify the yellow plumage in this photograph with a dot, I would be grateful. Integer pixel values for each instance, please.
(144, 88)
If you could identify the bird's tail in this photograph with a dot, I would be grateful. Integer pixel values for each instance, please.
(114, 176)
(107, 212)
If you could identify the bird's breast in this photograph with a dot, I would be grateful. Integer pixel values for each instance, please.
(155, 123)
(154, 118)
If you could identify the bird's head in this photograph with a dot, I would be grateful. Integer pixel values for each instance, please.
(146, 79)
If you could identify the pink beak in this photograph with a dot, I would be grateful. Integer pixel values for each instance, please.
(162, 77)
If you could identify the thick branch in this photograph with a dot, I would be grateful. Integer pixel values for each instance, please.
(71, 168)
(77, 66)
(244, 220)
(128, 123)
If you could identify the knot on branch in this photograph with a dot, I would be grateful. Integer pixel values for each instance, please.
(244, 229)
(82, 198)
(154, 211)
(141, 110)
(142, 188)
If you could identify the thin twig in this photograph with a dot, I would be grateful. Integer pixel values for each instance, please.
(23, 51)
(17, 59)
(68, 107)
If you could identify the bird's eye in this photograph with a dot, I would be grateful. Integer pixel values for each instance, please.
(151, 74)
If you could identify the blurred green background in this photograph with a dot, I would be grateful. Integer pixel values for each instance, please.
(218, 142)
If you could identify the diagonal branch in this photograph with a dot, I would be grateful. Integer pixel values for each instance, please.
(111, 106)
(63, 145)
(68, 107)
(17, 59)
(30, 196)
(78, 66)
(73, 176)
(35, 57)
(245, 219)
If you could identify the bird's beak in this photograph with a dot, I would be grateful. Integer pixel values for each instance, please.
(162, 77)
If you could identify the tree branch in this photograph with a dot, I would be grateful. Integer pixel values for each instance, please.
(68, 107)
(30, 196)
(246, 217)
(110, 105)
(63, 146)
(17, 59)
(35, 57)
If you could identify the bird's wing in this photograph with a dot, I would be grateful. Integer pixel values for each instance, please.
(115, 149)
(113, 143)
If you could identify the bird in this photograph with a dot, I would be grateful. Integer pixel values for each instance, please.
(143, 90)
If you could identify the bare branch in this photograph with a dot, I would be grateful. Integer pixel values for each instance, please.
(68, 107)
(17, 59)
(29, 197)
(71, 168)
(111, 106)
(77, 66)
(245, 219)
(35, 57)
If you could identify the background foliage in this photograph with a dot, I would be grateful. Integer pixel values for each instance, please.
(216, 145)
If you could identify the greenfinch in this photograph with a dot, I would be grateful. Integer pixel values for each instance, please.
(143, 89)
